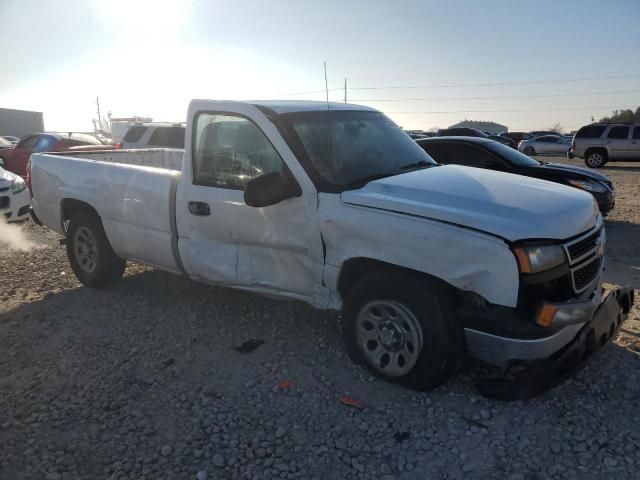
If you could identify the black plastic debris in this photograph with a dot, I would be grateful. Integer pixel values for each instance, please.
(401, 436)
(250, 345)
(168, 363)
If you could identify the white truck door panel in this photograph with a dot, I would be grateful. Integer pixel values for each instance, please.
(206, 248)
(276, 247)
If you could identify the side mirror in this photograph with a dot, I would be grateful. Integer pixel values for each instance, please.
(269, 189)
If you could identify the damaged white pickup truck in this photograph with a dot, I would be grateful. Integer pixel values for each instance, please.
(335, 205)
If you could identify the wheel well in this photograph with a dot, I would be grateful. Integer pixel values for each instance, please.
(355, 268)
(601, 150)
(71, 206)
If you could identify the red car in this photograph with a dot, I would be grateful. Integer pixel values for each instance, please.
(15, 158)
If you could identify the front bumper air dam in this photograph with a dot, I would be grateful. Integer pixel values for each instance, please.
(540, 376)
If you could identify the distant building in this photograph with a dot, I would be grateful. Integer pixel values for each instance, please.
(20, 122)
(490, 127)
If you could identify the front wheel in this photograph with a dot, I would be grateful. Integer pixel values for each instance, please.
(401, 328)
(530, 151)
(90, 254)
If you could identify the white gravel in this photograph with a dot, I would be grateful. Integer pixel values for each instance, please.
(143, 381)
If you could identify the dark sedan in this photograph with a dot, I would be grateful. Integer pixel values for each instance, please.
(474, 132)
(485, 153)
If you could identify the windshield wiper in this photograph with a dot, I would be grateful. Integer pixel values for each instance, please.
(418, 164)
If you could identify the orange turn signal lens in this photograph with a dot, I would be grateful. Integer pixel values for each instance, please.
(546, 315)
(523, 260)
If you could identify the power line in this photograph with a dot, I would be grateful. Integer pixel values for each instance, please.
(310, 91)
(501, 84)
(492, 98)
(550, 110)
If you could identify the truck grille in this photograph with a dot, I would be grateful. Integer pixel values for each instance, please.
(583, 247)
(4, 202)
(585, 258)
(584, 275)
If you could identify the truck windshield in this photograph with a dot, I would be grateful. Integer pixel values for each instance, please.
(348, 148)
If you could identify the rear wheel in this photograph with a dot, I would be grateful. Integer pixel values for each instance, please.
(90, 254)
(530, 151)
(401, 328)
(595, 159)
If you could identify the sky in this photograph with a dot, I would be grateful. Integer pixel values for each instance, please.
(527, 65)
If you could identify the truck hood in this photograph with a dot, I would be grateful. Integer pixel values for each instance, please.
(513, 207)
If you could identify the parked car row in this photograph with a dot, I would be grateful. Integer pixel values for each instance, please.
(335, 205)
(15, 157)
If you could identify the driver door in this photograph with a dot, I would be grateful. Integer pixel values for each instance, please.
(275, 248)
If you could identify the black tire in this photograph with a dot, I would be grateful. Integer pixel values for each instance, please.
(90, 254)
(430, 306)
(595, 159)
(529, 151)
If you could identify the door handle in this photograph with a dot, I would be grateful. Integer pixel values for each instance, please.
(199, 208)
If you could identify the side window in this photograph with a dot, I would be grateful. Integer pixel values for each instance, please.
(171, 137)
(436, 151)
(230, 150)
(27, 142)
(636, 133)
(618, 132)
(471, 156)
(44, 143)
(134, 134)
(591, 131)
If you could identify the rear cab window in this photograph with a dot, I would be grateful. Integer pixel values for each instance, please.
(591, 131)
(134, 134)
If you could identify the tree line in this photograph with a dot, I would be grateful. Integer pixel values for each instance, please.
(622, 116)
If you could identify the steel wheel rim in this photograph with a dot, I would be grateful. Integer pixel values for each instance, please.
(595, 159)
(85, 249)
(389, 336)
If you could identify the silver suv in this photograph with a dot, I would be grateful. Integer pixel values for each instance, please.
(600, 143)
(153, 135)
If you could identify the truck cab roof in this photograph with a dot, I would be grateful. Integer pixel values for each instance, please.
(293, 106)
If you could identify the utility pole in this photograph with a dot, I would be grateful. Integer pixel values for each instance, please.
(326, 84)
(99, 117)
(345, 89)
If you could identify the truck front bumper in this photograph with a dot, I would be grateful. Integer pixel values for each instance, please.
(548, 361)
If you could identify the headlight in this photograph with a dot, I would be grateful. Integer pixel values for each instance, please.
(588, 185)
(538, 258)
(18, 185)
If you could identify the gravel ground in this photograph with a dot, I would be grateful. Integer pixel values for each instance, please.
(143, 381)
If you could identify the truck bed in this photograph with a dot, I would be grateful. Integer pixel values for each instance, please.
(133, 192)
(167, 158)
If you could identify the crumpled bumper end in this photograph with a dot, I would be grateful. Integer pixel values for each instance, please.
(539, 376)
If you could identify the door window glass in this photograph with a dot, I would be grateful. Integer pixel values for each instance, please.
(471, 156)
(230, 150)
(618, 132)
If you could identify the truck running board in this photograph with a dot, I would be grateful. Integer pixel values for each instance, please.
(539, 377)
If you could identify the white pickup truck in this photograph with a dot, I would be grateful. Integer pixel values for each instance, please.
(335, 205)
